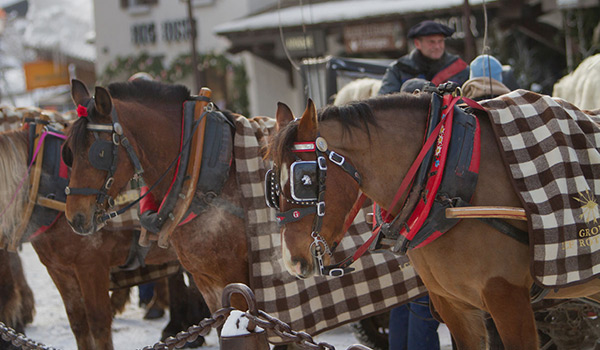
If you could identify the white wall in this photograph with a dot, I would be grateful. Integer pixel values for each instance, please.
(114, 27)
(268, 85)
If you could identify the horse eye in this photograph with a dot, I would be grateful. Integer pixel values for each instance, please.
(67, 156)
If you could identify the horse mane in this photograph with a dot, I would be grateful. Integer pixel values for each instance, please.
(149, 90)
(13, 167)
(358, 114)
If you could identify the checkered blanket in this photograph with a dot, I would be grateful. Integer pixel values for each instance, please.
(125, 279)
(551, 150)
(380, 282)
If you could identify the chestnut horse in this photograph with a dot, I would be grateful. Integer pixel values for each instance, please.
(213, 246)
(470, 270)
(79, 266)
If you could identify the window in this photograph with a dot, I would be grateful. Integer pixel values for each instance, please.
(137, 6)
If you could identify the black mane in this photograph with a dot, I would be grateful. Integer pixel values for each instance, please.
(146, 90)
(359, 114)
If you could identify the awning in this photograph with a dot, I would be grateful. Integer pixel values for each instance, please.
(335, 12)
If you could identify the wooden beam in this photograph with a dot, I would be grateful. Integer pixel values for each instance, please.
(486, 212)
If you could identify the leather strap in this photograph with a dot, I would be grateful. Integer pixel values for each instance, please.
(448, 72)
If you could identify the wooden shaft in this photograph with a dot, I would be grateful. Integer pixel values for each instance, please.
(51, 203)
(513, 213)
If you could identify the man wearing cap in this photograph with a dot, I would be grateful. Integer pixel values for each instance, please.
(428, 60)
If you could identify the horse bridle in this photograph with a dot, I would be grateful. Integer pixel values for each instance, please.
(98, 157)
(314, 204)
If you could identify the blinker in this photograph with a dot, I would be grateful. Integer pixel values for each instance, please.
(304, 182)
(100, 154)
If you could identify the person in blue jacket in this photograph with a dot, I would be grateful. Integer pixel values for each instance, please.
(428, 60)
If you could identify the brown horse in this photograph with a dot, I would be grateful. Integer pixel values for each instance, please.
(470, 269)
(79, 266)
(213, 246)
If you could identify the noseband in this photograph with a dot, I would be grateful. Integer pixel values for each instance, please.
(307, 186)
(100, 159)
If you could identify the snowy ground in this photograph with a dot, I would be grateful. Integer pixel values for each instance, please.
(130, 330)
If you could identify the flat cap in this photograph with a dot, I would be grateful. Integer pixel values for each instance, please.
(429, 28)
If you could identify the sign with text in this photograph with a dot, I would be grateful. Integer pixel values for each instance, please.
(40, 74)
(373, 37)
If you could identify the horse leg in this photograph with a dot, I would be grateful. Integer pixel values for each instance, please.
(68, 287)
(27, 308)
(94, 283)
(511, 310)
(160, 300)
(465, 322)
(118, 300)
(186, 306)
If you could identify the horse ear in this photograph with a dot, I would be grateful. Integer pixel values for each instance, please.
(284, 115)
(307, 129)
(103, 101)
(79, 92)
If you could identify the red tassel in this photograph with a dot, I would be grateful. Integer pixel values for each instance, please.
(81, 111)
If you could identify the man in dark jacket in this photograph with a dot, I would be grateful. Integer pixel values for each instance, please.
(428, 60)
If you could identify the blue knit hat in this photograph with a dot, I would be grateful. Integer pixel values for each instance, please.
(485, 66)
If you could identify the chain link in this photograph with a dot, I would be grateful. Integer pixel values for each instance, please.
(217, 319)
(20, 340)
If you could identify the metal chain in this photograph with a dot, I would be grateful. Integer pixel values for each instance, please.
(20, 340)
(217, 319)
(191, 334)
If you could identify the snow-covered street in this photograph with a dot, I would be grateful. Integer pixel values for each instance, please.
(130, 330)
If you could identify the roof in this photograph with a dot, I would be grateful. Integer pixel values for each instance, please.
(335, 11)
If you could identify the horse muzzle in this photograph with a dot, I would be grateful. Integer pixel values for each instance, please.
(82, 225)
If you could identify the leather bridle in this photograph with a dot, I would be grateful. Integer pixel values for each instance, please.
(97, 156)
(274, 193)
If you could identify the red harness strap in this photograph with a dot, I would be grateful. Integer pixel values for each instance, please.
(401, 190)
(448, 72)
(422, 209)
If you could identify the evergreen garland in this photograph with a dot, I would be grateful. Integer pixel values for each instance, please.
(218, 69)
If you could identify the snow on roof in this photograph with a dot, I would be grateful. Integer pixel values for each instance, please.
(334, 11)
(61, 25)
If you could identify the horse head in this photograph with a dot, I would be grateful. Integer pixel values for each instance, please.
(304, 177)
(99, 167)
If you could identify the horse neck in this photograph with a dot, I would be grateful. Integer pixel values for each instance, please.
(383, 159)
(13, 190)
(154, 133)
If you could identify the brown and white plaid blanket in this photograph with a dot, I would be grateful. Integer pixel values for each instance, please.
(551, 149)
(380, 282)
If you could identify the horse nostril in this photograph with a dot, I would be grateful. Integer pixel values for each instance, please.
(78, 222)
(301, 267)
